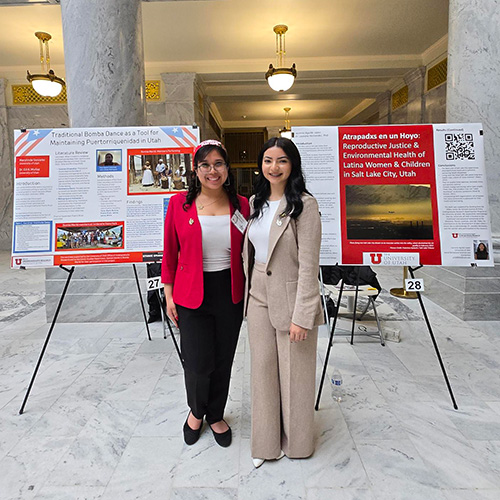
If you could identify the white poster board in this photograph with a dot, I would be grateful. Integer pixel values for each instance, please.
(96, 195)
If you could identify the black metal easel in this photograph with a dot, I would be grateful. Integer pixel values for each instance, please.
(330, 342)
(166, 320)
(436, 348)
(142, 301)
(332, 332)
(53, 324)
(54, 319)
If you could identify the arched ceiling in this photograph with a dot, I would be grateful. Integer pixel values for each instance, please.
(346, 51)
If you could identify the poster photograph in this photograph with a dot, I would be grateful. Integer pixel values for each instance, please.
(96, 195)
(89, 236)
(158, 171)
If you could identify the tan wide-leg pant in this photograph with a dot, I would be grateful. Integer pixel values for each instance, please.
(283, 381)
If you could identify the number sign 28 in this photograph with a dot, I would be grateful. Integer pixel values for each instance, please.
(414, 285)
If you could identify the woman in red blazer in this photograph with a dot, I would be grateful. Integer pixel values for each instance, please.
(203, 278)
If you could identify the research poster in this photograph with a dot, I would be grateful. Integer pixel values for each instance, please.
(96, 195)
(400, 195)
(388, 194)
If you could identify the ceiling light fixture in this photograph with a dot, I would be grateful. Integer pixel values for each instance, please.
(46, 83)
(287, 130)
(280, 78)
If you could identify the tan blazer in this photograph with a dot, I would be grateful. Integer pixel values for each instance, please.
(292, 267)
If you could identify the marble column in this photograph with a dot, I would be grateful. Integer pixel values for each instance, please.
(473, 78)
(415, 107)
(384, 108)
(435, 105)
(6, 175)
(186, 103)
(180, 98)
(473, 96)
(104, 60)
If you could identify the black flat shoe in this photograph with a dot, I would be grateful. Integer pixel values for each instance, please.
(191, 435)
(223, 438)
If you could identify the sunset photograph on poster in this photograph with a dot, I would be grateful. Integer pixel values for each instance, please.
(389, 212)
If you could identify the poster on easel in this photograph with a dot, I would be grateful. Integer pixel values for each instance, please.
(87, 196)
(399, 195)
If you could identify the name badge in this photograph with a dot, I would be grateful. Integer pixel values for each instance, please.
(239, 221)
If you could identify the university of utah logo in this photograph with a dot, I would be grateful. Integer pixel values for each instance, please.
(19, 262)
(455, 235)
(376, 258)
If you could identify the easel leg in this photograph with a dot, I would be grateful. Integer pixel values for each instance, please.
(355, 306)
(436, 348)
(323, 294)
(365, 310)
(166, 320)
(54, 319)
(142, 301)
(330, 343)
(163, 314)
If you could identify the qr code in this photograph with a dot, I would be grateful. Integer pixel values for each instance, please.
(459, 147)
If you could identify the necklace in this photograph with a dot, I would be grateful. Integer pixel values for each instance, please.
(201, 207)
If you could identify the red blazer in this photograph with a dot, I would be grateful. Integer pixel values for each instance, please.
(182, 262)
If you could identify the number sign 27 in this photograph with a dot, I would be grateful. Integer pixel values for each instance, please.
(414, 285)
(154, 283)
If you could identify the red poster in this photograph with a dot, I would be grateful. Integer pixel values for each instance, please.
(388, 197)
(103, 258)
(32, 166)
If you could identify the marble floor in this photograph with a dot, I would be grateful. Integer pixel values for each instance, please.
(105, 415)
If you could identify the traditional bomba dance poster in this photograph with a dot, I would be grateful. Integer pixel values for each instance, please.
(96, 195)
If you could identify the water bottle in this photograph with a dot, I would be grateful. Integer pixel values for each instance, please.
(337, 385)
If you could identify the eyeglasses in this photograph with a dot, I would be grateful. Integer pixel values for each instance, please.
(218, 166)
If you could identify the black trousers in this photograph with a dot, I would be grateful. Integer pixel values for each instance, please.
(209, 336)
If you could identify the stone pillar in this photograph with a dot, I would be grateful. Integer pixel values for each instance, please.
(104, 60)
(179, 98)
(415, 107)
(186, 103)
(472, 96)
(472, 88)
(435, 105)
(104, 63)
(6, 176)
(384, 108)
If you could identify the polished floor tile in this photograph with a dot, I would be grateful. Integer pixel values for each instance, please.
(104, 418)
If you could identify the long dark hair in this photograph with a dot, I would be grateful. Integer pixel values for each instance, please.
(295, 185)
(194, 187)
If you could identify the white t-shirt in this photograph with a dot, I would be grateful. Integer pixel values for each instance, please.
(216, 242)
(258, 233)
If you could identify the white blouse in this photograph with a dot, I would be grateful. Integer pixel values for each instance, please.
(258, 233)
(216, 242)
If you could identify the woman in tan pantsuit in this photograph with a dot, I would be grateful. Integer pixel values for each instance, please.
(282, 302)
